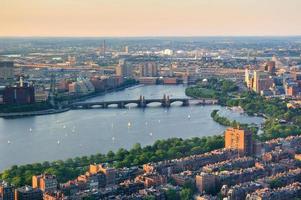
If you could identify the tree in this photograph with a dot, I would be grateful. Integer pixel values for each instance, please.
(17, 181)
(171, 194)
(186, 194)
(149, 197)
(110, 155)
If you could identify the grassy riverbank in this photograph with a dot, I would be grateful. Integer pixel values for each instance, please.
(232, 123)
(25, 107)
(71, 168)
(280, 122)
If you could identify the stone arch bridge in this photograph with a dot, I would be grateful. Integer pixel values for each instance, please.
(141, 103)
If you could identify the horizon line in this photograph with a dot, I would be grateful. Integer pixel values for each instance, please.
(146, 36)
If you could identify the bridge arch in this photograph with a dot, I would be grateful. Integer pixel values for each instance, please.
(131, 104)
(96, 106)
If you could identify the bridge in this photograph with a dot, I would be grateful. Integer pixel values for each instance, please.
(141, 103)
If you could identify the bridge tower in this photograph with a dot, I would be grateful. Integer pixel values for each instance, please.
(142, 103)
(165, 101)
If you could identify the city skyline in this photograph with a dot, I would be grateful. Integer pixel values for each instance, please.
(134, 18)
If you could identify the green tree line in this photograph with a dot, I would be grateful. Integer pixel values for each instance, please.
(71, 168)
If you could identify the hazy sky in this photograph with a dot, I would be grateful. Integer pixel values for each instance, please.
(149, 17)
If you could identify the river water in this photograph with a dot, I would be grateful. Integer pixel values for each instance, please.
(84, 132)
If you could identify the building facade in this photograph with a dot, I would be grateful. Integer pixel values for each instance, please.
(45, 182)
(6, 72)
(28, 193)
(239, 139)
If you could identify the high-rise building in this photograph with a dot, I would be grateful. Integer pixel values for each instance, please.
(6, 191)
(124, 69)
(6, 72)
(19, 95)
(126, 49)
(148, 69)
(104, 48)
(270, 67)
(262, 81)
(46, 182)
(28, 193)
(205, 182)
(239, 139)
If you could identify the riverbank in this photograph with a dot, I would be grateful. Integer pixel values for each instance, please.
(65, 108)
(224, 121)
(33, 113)
(136, 156)
(274, 110)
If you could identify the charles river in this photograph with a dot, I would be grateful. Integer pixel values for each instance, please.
(84, 132)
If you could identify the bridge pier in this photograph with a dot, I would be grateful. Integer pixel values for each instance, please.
(142, 103)
(121, 105)
(86, 107)
(185, 102)
(104, 105)
(165, 104)
(165, 101)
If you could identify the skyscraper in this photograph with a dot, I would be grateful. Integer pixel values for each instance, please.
(104, 48)
(6, 72)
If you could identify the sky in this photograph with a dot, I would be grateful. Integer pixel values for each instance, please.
(125, 18)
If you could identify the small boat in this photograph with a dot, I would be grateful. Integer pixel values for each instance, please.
(189, 116)
(113, 139)
(8, 142)
(64, 126)
(151, 134)
(58, 142)
(30, 129)
(129, 124)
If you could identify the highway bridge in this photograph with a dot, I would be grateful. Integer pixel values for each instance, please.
(142, 103)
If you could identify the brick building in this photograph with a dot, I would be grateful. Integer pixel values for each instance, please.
(239, 139)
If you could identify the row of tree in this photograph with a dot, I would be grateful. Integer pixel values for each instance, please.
(71, 168)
